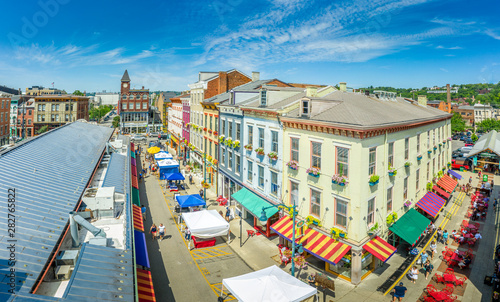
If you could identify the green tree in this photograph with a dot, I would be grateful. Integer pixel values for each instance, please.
(488, 125)
(78, 92)
(474, 138)
(457, 123)
(43, 129)
(116, 121)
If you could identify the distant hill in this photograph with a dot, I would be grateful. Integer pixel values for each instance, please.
(489, 93)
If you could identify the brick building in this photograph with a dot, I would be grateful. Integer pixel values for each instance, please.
(56, 110)
(467, 113)
(133, 107)
(4, 118)
(25, 114)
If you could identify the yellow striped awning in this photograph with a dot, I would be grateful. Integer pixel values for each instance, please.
(379, 248)
(145, 286)
(322, 246)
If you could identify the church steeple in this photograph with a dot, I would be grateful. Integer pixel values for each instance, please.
(125, 77)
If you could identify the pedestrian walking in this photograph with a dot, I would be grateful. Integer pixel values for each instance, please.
(423, 258)
(149, 168)
(187, 233)
(433, 247)
(140, 176)
(228, 213)
(399, 292)
(470, 180)
(428, 267)
(143, 211)
(479, 174)
(153, 231)
(413, 274)
(439, 235)
(161, 229)
(144, 171)
(445, 237)
(201, 193)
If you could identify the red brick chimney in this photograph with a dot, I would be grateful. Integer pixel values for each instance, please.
(448, 97)
(222, 81)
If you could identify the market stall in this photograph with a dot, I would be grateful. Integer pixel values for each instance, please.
(205, 226)
(163, 155)
(167, 166)
(269, 284)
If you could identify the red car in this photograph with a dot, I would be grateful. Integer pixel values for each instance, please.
(469, 145)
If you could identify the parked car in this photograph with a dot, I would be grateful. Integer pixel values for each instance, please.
(163, 135)
(461, 162)
(455, 137)
(138, 138)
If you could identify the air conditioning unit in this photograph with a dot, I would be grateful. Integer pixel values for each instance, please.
(67, 257)
(63, 272)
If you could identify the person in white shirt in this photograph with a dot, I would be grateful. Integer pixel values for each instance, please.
(478, 236)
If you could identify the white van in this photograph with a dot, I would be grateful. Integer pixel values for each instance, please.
(465, 149)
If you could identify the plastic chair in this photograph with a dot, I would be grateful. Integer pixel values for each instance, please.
(439, 278)
(451, 298)
(465, 223)
(449, 271)
(448, 289)
(460, 281)
(429, 299)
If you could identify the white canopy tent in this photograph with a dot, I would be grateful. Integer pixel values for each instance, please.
(269, 284)
(206, 224)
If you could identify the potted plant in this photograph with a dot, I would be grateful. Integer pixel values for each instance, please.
(419, 156)
(222, 138)
(216, 133)
(407, 203)
(248, 147)
(236, 144)
(449, 165)
(313, 171)
(293, 165)
(373, 229)
(273, 155)
(205, 129)
(215, 161)
(429, 151)
(407, 164)
(205, 185)
(260, 151)
(210, 131)
(428, 186)
(435, 147)
(340, 180)
(374, 180)
(336, 233)
(392, 171)
(228, 141)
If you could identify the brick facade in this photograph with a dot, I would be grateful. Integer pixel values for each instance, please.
(4, 120)
(224, 82)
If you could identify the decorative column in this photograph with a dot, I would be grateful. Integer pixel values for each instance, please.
(356, 274)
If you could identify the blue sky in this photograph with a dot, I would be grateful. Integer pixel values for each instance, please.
(87, 45)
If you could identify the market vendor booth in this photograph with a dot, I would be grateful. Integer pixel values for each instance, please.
(205, 226)
(411, 227)
(163, 155)
(249, 203)
(431, 204)
(447, 183)
(167, 166)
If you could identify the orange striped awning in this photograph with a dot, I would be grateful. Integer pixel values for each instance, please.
(138, 223)
(447, 183)
(145, 286)
(379, 248)
(322, 246)
(441, 192)
(135, 183)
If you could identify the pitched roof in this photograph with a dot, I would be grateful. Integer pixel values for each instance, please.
(125, 77)
(360, 111)
(489, 141)
(255, 102)
(250, 86)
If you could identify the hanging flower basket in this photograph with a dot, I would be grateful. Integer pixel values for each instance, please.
(215, 161)
(293, 165)
(260, 151)
(339, 180)
(216, 133)
(429, 151)
(392, 171)
(313, 171)
(248, 147)
(222, 138)
(407, 164)
(205, 185)
(273, 155)
(236, 144)
(228, 141)
(419, 157)
(373, 180)
(391, 218)
(210, 131)
(435, 148)
(205, 129)
(407, 204)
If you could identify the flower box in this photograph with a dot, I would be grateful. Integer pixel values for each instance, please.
(210, 131)
(293, 165)
(407, 164)
(392, 171)
(373, 180)
(419, 157)
(429, 151)
(435, 148)
(313, 171)
(260, 151)
(407, 203)
(228, 141)
(248, 147)
(222, 138)
(236, 144)
(205, 129)
(273, 155)
(216, 133)
(340, 180)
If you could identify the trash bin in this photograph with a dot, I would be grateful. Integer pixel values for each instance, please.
(485, 177)
(461, 169)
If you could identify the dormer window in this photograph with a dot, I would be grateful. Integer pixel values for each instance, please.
(263, 98)
(305, 109)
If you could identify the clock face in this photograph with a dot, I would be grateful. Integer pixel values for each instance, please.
(125, 85)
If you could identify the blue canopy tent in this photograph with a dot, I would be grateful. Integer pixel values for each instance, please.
(193, 200)
(174, 176)
(167, 166)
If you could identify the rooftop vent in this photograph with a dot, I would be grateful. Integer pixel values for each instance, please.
(385, 95)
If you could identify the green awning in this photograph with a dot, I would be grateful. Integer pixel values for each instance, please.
(135, 197)
(410, 226)
(254, 203)
(132, 153)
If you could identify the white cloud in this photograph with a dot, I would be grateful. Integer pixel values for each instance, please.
(442, 69)
(493, 34)
(449, 48)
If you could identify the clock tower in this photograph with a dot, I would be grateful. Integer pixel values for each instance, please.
(124, 90)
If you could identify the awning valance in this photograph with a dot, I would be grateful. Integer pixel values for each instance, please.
(254, 203)
(441, 192)
(431, 203)
(138, 222)
(135, 183)
(132, 147)
(141, 251)
(193, 200)
(132, 153)
(145, 286)
(447, 183)
(133, 163)
(410, 226)
(135, 197)
(379, 248)
(455, 174)
(322, 246)
(174, 176)
(134, 170)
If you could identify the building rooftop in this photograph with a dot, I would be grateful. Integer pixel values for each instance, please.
(357, 110)
(125, 77)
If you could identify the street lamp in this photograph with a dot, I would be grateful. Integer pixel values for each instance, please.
(263, 220)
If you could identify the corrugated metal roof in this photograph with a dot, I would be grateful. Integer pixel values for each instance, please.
(49, 174)
(102, 274)
(489, 141)
(116, 173)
